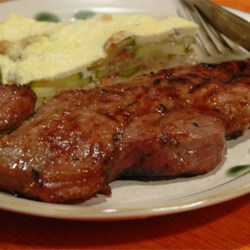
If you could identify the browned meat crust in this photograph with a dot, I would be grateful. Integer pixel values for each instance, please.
(16, 104)
(169, 123)
(183, 141)
(70, 153)
(222, 90)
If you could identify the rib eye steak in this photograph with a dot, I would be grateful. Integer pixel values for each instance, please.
(165, 124)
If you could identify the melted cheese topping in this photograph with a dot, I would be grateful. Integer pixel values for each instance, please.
(40, 50)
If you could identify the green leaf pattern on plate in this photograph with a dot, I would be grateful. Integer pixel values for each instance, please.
(237, 170)
(46, 16)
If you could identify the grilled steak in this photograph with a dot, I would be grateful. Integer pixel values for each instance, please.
(165, 124)
(16, 104)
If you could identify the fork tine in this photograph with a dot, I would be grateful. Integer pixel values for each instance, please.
(212, 35)
(220, 41)
(212, 46)
(185, 13)
(207, 49)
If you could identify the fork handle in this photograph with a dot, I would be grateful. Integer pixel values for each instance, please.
(231, 25)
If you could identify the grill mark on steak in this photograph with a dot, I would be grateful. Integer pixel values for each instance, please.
(207, 80)
(79, 141)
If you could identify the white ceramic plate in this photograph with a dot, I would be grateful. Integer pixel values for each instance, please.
(136, 199)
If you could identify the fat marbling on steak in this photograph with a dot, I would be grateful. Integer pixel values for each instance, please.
(170, 123)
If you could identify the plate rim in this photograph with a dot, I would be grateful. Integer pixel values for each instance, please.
(194, 201)
(70, 212)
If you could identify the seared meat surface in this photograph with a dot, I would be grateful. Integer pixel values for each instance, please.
(16, 104)
(222, 90)
(165, 124)
(70, 153)
(183, 141)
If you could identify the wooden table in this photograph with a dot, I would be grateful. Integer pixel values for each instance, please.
(223, 226)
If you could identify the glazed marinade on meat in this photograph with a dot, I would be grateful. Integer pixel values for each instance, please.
(16, 104)
(170, 123)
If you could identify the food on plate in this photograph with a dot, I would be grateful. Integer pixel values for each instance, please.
(16, 104)
(105, 47)
(169, 123)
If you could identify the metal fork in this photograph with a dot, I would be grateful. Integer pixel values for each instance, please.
(211, 46)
